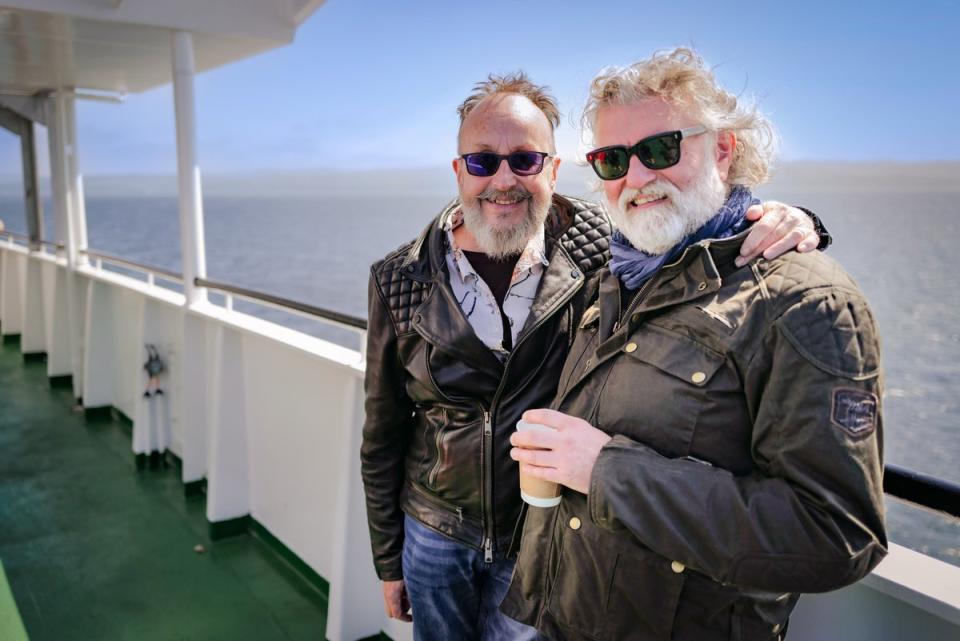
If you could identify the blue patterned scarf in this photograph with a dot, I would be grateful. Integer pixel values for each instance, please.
(634, 267)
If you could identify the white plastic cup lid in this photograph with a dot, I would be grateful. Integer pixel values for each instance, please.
(538, 427)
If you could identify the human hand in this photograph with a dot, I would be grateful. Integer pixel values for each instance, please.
(395, 600)
(565, 455)
(779, 228)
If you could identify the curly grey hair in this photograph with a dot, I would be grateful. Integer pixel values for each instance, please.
(681, 78)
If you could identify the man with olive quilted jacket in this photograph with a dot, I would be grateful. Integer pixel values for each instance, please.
(717, 428)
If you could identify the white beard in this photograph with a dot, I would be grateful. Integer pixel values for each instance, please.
(501, 242)
(656, 229)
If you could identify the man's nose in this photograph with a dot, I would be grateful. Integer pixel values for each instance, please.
(504, 178)
(638, 175)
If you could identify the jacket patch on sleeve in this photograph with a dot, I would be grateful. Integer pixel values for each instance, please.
(854, 410)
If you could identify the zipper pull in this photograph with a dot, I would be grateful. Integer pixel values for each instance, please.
(487, 426)
(460, 513)
(487, 551)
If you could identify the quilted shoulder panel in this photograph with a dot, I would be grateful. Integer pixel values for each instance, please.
(793, 274)
(402, 294)
(587, 240)
(836, 331)
(823, 313)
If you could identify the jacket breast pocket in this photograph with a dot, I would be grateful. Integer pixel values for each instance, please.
(608, 590)
(658, 387)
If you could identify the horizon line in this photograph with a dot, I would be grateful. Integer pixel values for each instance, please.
(431, 167)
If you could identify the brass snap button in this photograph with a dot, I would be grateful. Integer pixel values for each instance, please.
(575, 523)
(701, 287)
(677, 567)
(698, 377)
(630, 348)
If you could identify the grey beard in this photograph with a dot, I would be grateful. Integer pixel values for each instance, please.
(656, 231)
(500, 243)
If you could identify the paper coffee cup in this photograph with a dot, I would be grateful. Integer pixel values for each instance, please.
(535, 491)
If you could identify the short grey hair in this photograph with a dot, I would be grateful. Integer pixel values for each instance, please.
(517, 83)
(681, 78)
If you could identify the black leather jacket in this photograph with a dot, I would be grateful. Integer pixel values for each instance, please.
(440, 406)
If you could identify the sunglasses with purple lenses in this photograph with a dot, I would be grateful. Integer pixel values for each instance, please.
(522, 163)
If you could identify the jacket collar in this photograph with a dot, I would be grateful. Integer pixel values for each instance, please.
(439, 318)
(698, 272)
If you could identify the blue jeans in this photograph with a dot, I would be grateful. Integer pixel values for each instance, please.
(454, 594)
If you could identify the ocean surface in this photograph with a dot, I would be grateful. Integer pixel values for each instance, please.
(895, 229)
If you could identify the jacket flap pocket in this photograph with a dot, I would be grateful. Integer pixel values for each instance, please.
(674, 354)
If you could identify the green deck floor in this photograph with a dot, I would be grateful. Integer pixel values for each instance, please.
(97, 551)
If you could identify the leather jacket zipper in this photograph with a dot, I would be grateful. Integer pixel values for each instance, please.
(432, 477)
(438, 442)
(487, 468)
(436, 500)
(488, 486)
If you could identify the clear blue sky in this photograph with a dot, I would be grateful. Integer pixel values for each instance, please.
(374, 84)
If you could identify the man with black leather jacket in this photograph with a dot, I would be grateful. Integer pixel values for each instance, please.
(469, 326)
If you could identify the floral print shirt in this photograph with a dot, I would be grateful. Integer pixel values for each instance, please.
(477, 301)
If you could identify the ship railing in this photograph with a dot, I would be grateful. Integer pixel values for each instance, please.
(15, 238)
(922, 489)
(910, 486)
(151, 272)
(351, 323)
(231, 291)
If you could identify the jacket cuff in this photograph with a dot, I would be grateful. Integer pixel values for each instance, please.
(825, 238)
(604, 473)
(392, 572)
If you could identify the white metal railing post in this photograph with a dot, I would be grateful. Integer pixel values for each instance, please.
(64, 224)
(192, 244)
(73, 293)
(77, 207)
(195, 405)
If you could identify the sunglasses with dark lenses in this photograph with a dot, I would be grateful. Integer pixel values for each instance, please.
(522, 163)
(659, 151)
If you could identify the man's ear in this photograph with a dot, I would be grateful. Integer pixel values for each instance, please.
(455, 163)
(554, 168)
(726, 146)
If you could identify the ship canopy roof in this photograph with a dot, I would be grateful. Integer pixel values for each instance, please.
(124, 46)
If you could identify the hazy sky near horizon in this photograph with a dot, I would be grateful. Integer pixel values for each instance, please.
(375, 84)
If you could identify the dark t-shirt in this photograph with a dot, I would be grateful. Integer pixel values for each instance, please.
(496, 274)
